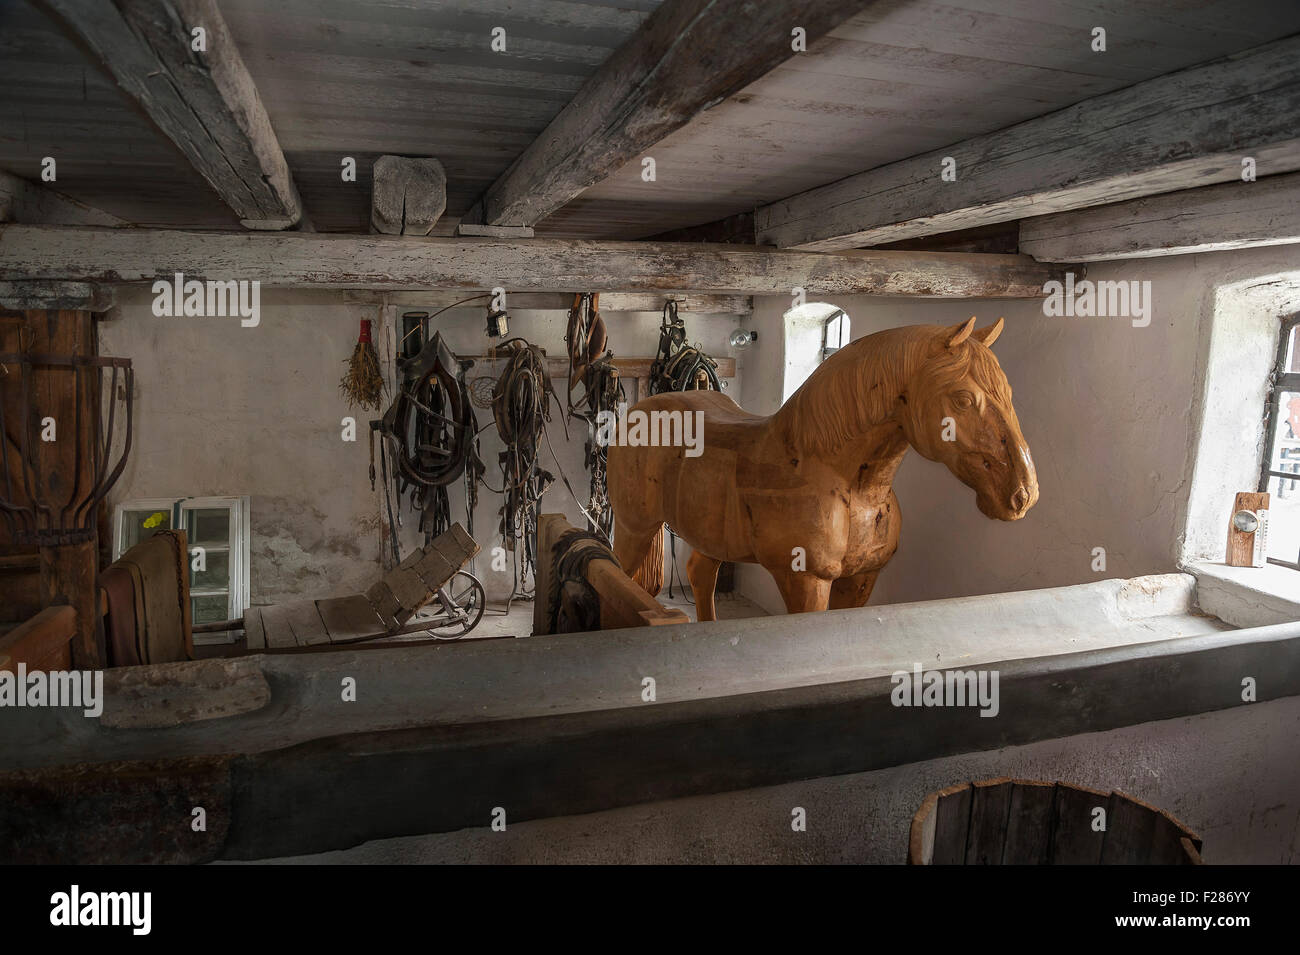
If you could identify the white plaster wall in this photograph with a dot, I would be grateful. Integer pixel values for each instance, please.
(226, 410)
(1111, 415)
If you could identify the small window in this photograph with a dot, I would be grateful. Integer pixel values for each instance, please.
(1280, 473)
(835, 333)
(219, 589)
(811, 332)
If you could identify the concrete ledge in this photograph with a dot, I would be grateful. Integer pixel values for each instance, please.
(541, 676)
(344, 790)
(1247, 596)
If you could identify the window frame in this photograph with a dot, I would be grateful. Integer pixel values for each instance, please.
(167, 504)
(827, 348)
(1280, 381)
(240, 543)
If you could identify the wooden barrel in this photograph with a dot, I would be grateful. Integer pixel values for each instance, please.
(1023, 822)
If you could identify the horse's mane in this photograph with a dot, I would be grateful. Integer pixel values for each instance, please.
(858, 387)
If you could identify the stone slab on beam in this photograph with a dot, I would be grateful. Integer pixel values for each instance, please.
(495, 231)
(408, 195)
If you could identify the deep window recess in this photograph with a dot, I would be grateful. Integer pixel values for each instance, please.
(812, 331)
(220, 525)
(1280, 470)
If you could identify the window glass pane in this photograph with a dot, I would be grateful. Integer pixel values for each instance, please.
(1286, 434)
(837, 331)
(1284, 493)
(208, 526)
(216, 576)
(835, 334)
(1291, 362)
(1284, 519)
(210, 609)
(141, 525)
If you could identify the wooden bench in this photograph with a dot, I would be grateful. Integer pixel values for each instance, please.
(43, 642)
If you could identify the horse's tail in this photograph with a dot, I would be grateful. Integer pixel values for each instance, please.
(649, 574)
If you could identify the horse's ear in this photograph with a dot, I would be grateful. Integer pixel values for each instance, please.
(989, 335)
(962, 333)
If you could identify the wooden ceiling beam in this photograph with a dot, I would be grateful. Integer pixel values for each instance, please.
(203, 100)
(687, 56)
(320, 260)
(1190, 128)
(1232, 215)
(24, 201)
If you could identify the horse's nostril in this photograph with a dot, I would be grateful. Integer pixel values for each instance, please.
(1020, 499)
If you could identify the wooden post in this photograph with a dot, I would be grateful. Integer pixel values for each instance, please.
(68, 576)
(69, 571)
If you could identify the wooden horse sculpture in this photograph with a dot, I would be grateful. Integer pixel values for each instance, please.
(807, 493)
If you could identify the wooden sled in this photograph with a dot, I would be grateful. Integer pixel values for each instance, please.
(389, 608)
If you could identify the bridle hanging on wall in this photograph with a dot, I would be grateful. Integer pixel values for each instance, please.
(521, 406)
(678, 366)
(592, 365)
(431, 432)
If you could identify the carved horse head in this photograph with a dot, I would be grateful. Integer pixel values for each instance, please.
(959, 413)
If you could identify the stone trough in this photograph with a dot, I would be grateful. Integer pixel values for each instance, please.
(291, 754)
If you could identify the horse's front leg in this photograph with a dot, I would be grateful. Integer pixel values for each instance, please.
(702, 572)
(853, 591)
(801, 591)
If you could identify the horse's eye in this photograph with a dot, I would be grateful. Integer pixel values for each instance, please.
(964, 401)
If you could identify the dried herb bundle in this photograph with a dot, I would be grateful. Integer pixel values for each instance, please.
(364, 382)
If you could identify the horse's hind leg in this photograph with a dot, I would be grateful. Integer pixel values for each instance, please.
(853, 591)
(702, 572)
